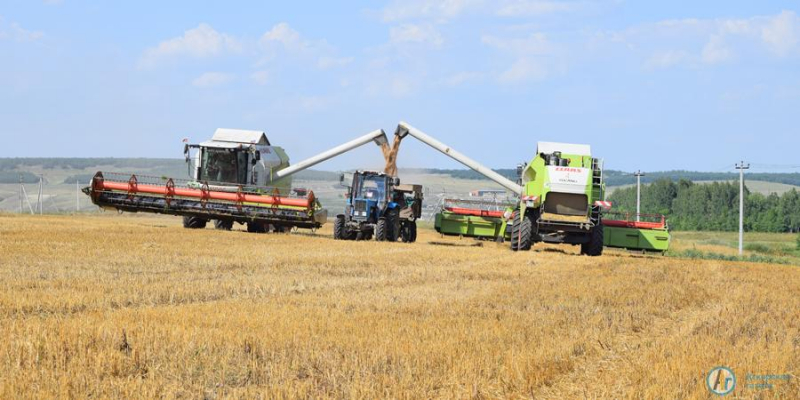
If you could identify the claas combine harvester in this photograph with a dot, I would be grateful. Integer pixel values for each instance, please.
(236, 177)
(559, 198)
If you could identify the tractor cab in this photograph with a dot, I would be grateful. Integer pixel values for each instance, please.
(370, 195)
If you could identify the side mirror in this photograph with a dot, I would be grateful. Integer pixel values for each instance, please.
(397, 181)
(186, 152)
(341, 178)
(256, 156)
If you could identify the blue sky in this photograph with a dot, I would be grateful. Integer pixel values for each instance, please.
(650, 85)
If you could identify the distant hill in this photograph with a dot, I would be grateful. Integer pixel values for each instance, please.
(70, 170)
(620, 178)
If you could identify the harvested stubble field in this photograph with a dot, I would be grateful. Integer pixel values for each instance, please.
(110, 306)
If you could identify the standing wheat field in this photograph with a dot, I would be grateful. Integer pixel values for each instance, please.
(137, 307)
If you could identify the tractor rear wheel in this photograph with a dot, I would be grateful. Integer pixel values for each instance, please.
(381, 230)
(521, 233)
(223, 225)
(338, 228)
(408, 232)
(194, 222)
(594, 247)
(256, 227)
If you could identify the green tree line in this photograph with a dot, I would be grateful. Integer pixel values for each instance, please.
(713, 206)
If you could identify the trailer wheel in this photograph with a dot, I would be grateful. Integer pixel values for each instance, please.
(408, 232)
(594, 247)
(521, 233)
(223, 225)
(338, 228)
(256, 227)
(381, 230)
(194, 222)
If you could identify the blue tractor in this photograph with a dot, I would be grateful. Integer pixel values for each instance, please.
(378, 205)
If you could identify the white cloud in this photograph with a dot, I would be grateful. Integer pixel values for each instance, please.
(780, 33)
(534, 44)
(532, 8)
(212, 79)
(17, 33)
(439, 10)
(410, 33)
(462, 78)
(524, 70)
(282, 39)
(260, 77)
(200, 42)
(666, 59)
(282, 33)
(333, 62)
(713, 41)
(716, 51)
(533, 57)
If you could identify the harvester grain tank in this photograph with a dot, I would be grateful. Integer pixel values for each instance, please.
(560, 194)
(236, 177)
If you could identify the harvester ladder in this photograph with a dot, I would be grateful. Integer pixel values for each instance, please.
(597, 172)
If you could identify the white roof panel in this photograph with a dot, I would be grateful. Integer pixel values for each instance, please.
(240, 136)
(565, 148)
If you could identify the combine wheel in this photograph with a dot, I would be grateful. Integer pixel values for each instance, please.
(256, 227)
(339, 228)
(594, 247)
(408, 232)
(521, 233)
(194, 222)
(223, 225)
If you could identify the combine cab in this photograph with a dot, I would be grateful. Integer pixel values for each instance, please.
(236, 177)
(644, 232)
(378, 205)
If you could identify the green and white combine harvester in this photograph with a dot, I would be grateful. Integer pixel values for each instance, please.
(561, 199)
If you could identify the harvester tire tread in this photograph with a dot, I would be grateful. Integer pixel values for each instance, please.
(223, 225)
(521, 233)
(594, 247)
(256, 227)
(339, 228)
(194, 222)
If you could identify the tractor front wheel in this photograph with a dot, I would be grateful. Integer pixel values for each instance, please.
(194, 223)
(594, 247)
(521, 233)
(339, 228)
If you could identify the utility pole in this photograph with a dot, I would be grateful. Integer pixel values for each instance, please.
(41, 194)
(741, 167)
(639, 174)
(20, 194)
